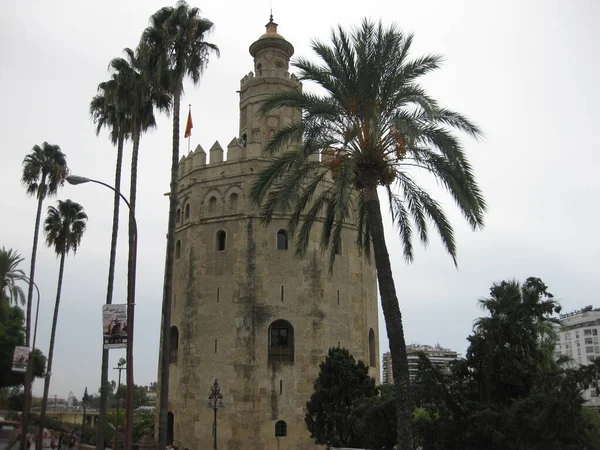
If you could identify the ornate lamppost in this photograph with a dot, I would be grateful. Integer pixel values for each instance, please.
(215, 401)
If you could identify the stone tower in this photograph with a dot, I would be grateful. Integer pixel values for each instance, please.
(245, 311)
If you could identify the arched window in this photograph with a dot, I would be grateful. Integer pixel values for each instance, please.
(174, 343)
(212, 204)
(233, 202)
(178, 249)
(187, 211)
(178, 215)
(282, 240)
(280, 428)
(220, 240)
(338, 246)
(281, 341)
(372, 355)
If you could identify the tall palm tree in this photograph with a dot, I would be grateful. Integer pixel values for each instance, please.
(44, 171)
(64, 227)
(9, 276)
(177, 49)
(374, 126)
(108, 110)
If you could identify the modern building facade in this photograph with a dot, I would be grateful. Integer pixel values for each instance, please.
(578, 339)
(438, 356)
(245, 311)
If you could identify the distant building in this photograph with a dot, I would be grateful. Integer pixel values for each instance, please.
(387, 376)
(578, 339)
(438, 356)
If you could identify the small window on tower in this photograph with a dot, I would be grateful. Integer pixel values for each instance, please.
(212, 204)
(282, 240)
(187, 211)
(221, 239)
(280, 428)
(178, 250)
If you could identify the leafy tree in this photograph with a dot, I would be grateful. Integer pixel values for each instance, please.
(12, 334)
(374, 126)
(64, 227)
(509, 392)
(375, 419)
(176, 49)
(341, 381)
(44, 171)
(10, 291)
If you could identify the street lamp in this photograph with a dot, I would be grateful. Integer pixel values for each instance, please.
(75, 180)
(119, 367)
(215, 400)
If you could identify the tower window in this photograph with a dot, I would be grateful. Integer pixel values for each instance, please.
(280, 428)
(178, 249)
(221, 239)
(282, 240)
(281, 341)
(174, 344)
(178, 215)
(187, 211)
(338, 246)
(372, 355)
(233, 202)
(212, 204)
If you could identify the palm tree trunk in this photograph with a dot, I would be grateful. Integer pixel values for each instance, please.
(28, 372)
(168, 282)
(131, 265)
(51, 352)
(109, 294)
(393, 318)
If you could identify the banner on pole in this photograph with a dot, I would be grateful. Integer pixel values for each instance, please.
(20, 358)
(114, 326)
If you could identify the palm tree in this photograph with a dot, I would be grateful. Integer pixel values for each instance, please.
(176, 50)
(108, 110)
(64, 226)
(374, 126)
(44, 171)
(9, 276)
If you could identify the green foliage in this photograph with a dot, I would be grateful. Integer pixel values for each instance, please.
(509, 392)
(10, 291)
(141, 421)
(341, 381)
(12, 334)
(375, 419)
(64, 226)
(592, 418)
(44, 170)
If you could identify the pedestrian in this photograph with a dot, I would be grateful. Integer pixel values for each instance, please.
(28, 441)
(53, 443)
(61, 437)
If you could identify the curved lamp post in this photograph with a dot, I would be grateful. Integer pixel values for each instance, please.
(75, 180)
(119, 367)
(215, 401)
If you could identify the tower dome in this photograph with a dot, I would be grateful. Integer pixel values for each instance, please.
(271, 40)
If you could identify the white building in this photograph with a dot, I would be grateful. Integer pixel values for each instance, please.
(578, 339)
(438, 356)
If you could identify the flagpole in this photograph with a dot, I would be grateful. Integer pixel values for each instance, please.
(190, 136)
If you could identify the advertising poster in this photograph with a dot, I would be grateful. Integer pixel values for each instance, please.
(20, 357)
(114, 326)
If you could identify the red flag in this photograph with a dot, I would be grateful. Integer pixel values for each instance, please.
(189, 126)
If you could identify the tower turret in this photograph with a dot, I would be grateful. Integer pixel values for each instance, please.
(271, 53)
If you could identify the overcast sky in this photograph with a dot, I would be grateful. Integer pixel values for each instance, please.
(526, 71)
